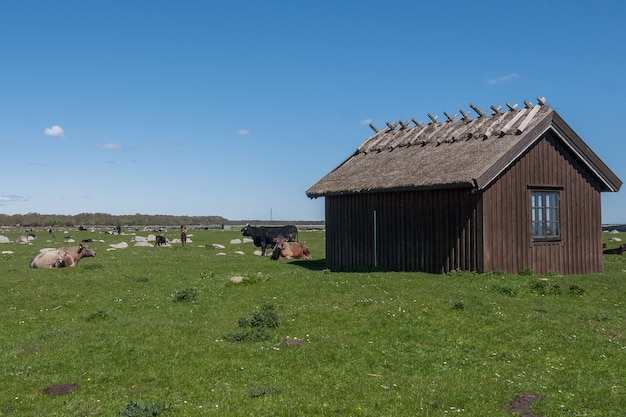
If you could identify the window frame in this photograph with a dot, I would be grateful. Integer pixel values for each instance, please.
(545, 214)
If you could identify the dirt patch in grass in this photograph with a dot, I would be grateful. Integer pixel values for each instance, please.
(522, 404)
(60, 389)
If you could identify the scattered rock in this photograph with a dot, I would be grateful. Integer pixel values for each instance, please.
(121, 245)
(237, 279)
(235, 241)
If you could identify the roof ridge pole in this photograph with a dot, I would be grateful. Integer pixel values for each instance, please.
(511, 107)
(373, 127)
(433, 118)
(464, 115)
(450, 118)
(477, 110)
(416, 123)
(528, 104)
(496, 110)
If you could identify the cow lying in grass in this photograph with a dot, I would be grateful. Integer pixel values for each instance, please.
(62, 257)
(615, 251)
(291, 250)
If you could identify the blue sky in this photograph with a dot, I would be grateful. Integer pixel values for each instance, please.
(235, 108)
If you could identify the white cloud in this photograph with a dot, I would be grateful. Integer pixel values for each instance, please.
(55, 130)
(8, 198)
(243, 132)
(366, 121)
(110, 146)
(503, 79)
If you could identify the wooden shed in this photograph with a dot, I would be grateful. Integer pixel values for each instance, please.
(508, 190)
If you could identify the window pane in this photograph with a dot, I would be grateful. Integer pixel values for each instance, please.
(545, 215)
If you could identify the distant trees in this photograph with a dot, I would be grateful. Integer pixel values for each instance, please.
(36, 220)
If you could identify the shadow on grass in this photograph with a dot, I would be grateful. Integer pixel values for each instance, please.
(320, 265)
(311, 264)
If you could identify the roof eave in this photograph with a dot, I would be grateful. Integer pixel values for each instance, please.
(457, 185)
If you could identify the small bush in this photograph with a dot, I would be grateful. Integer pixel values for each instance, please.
(546, 288)
(266, 317)
(139, 409)
(188, 294)
(526, 272)
(458, 305)
(576, 290)
(256, 325)
(257, 334)
(504, 290)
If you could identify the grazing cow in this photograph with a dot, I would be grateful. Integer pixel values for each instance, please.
(264, 236)
(160, 240)
(62, 257)
(615, 251)
(291, 250)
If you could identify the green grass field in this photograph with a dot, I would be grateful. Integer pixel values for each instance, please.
(152, 331)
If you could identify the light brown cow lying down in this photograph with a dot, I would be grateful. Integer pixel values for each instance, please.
(62, 257)
(291, 250)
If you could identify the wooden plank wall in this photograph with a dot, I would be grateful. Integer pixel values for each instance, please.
(507, 222)
(431, 231)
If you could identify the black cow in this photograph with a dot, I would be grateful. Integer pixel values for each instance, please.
(268, 236)
(160, 240)
(615, 251)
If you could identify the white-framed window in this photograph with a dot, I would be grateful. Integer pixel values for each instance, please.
(546, 223)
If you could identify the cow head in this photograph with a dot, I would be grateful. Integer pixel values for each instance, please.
(246, 230)
(85, 251)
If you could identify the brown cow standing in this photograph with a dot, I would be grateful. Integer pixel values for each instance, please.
(62, 257)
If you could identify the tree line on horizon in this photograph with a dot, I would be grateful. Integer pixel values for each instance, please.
(34, 220)
(37, 220)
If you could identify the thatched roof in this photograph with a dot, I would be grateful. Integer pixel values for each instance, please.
(464, 153)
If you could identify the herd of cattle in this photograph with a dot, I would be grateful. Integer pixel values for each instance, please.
(281, 239)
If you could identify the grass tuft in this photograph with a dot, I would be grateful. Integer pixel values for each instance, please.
(140, 409)
(187, 295)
